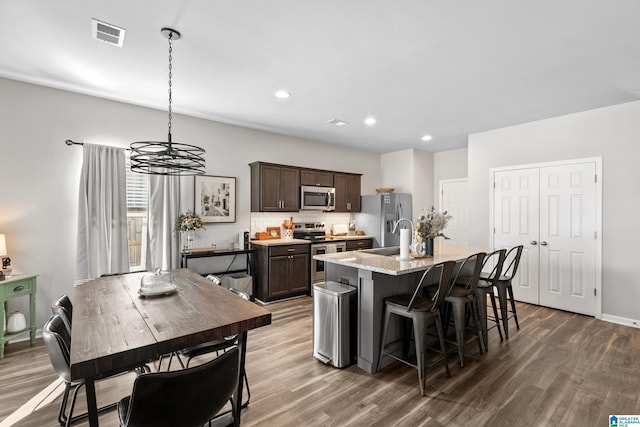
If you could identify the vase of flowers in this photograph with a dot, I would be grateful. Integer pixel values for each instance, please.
(430, 225)
(186, 224)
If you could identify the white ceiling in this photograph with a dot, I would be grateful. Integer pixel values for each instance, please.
(445, 68)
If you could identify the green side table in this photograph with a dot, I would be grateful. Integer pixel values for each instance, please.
(13, 287)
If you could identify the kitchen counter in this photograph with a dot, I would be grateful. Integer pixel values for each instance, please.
(349, 237)
(375, 260)
(279, 242)
(378, 274)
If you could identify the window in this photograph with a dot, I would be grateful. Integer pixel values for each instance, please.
(137, 206)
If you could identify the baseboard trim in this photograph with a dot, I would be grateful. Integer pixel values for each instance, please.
(621, 320)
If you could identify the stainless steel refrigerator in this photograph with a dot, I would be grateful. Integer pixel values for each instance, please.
(379, 213)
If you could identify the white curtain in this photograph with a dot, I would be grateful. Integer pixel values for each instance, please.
(102, 213)
(163, 245)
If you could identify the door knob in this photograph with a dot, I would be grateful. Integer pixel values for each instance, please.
(543, 243)
(533, 243)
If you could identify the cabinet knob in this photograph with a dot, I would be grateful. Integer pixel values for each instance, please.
(543, 243)
(533, 243)
(18, 288)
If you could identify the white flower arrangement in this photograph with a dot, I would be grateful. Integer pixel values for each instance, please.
(431, 224)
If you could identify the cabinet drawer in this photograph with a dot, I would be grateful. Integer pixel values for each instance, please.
(354, 245)
(289, 250)
(16, 289)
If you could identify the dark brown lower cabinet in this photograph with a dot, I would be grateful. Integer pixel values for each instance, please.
(283, 271)
(359, 244)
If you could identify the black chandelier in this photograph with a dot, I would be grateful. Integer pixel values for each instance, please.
(167, 158)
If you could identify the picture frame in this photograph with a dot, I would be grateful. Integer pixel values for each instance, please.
(274, 232)
(215, 198)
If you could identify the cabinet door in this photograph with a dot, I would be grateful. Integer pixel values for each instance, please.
(353, 193)
(315, 177)
(278, 276)
(347, 192)
(290, 189)
(269, 188)
(299, 273)
(340, 183)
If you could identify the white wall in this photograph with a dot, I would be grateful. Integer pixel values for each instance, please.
(612, 133)
(423, 167)
(39, 173)
(396, 171)
(410, 171)
(451, 164)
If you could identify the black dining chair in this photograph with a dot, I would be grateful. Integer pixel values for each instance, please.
(187, 397)
(462, 294)
(421, 311)
(486, 285)
(63, 308)
(57, 341)
(218, 346)
(504, 286)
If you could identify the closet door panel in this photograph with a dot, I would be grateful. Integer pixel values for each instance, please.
(516, 220)
(567, 237)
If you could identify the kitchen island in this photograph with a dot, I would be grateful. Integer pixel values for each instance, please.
(378, 274)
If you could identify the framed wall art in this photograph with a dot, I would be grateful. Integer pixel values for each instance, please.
(215, 198)
(274, 232)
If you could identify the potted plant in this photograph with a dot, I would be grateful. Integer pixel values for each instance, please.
(186, 224)
(430, 225)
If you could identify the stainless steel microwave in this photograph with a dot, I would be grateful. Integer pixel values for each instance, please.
(317, 198)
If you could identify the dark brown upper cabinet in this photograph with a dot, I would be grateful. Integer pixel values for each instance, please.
(318, 178)
(274, 188)
(347, 192)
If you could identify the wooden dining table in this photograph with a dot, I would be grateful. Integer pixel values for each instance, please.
(115, 329)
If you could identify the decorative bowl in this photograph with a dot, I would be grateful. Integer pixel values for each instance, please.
(385, 190)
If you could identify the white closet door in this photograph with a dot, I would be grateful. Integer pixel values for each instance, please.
(454, 200)
(516, 221)
(567, 237)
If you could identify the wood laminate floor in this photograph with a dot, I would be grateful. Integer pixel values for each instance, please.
(559, 369)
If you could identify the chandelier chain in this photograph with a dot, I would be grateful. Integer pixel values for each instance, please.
(167, 158)
(170, 75)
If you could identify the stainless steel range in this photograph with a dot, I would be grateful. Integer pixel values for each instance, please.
(314, 232)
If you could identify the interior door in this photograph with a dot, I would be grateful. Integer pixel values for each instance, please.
(516, 222)
(454, 200)
(567, 237)
(551, 211)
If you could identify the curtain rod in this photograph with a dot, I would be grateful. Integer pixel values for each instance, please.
(70, 142)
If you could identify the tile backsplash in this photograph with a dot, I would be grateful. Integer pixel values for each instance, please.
(261, 220)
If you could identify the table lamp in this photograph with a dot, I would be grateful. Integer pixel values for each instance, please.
(6, 261)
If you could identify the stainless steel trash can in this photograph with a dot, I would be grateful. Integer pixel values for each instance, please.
(240, 281)
(334, 323)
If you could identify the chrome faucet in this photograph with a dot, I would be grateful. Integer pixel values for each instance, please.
(395, 226)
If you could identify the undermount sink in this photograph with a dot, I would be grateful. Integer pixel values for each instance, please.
(388, 251)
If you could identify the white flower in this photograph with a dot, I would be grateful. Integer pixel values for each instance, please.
(431, 224)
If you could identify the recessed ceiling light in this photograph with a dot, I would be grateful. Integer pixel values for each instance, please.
(369, 121)
(337, 122)
(427, 138)
(282, 94)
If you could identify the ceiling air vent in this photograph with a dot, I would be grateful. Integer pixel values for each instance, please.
(337, 122)
(107, 33)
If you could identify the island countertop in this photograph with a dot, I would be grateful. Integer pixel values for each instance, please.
(386, 260)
